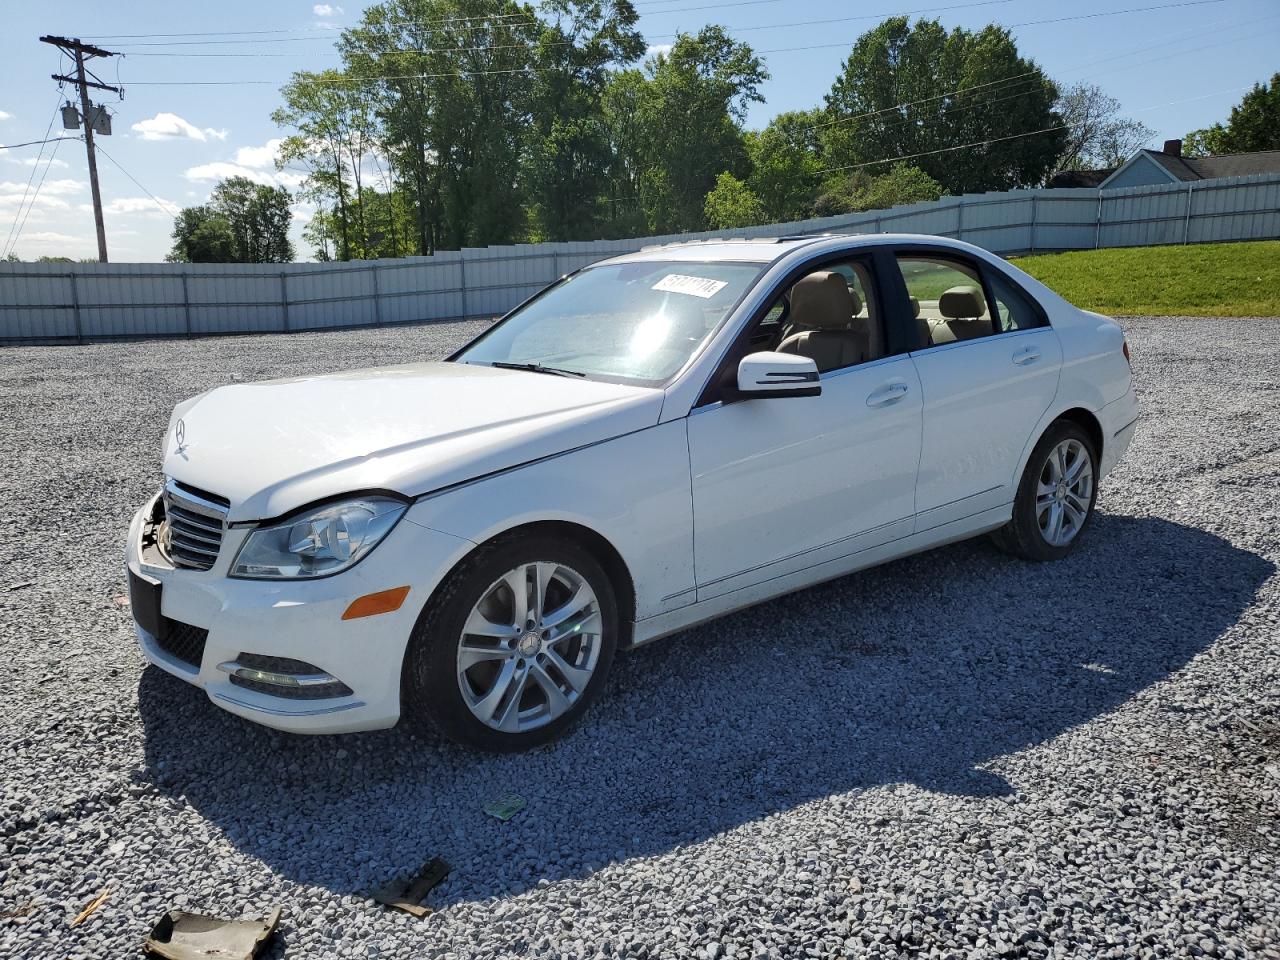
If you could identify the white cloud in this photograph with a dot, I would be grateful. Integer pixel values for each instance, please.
(259, 158)
(327, 10)
(38, 161)
(221, 169)
(142, 205)
(170, 126)
(50, 237)
(5, 116)
(54, 188)
(256, 163)
(657, 48)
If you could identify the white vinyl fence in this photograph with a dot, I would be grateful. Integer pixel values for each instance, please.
(76, 302)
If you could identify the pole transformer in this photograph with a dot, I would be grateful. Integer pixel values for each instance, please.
(81, 52)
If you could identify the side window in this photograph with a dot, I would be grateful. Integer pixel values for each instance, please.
(1014, 310)
(947, 298)
(834, 317)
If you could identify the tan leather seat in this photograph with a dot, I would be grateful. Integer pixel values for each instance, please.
(822, 323)
(963, 316)
(923, 332)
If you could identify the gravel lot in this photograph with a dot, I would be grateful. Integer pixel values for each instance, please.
(955, 755)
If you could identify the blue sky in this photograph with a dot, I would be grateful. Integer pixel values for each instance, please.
(1175, 69)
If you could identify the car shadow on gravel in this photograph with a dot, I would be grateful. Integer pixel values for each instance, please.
(922, 672)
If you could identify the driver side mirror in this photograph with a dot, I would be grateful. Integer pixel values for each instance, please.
(768, 374)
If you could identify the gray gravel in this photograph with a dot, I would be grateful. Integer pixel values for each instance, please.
(955, 755)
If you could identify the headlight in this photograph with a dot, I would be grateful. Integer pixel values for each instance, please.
(327, 540)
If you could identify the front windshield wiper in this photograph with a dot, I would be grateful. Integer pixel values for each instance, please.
(536, 368)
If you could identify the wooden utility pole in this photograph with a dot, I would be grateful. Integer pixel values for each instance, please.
(82, 52)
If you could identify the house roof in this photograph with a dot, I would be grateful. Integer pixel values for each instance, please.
(1187, 169)
(1079, 178)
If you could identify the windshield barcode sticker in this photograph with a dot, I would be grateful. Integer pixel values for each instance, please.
(693, 286)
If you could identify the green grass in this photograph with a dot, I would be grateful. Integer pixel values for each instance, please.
(1200, 280)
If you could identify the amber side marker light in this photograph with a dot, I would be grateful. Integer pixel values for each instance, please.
(371, 604)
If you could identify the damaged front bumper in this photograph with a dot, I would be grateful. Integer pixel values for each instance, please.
(279, 652)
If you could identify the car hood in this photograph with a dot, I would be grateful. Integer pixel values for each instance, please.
(272, 447)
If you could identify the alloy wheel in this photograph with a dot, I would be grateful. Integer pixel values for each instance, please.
(1064, 492)
(529, 647)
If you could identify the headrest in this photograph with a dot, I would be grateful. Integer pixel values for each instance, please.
(823, 301)
(961, 303)
(915, 307)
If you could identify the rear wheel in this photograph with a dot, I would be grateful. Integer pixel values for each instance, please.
(1055, 497)
(516, 644)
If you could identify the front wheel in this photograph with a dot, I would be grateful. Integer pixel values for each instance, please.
(515, 645)
(1055, 497)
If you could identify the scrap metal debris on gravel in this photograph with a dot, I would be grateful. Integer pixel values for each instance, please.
(958, 754)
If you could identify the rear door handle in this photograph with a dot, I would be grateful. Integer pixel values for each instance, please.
(1029, 355)
(888, 394)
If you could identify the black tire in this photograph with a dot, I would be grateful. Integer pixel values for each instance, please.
(1022, 535)
(431, 690)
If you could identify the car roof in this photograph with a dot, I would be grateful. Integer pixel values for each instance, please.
(770, 249)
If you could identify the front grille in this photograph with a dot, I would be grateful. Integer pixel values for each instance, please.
(183, 641)
(196, 520)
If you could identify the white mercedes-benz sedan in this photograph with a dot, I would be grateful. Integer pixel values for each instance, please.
(648, 443)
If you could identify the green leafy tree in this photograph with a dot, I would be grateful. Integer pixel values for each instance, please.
(243, 222)
(202, 235)
(568, 163)
(863, 190)
(337, 132)
(907, 91)
(454, 98)
(1254, 125)
(689, 114)
(731, 203)
(628, 152)
(785, 163)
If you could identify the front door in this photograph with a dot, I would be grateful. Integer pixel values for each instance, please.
(783, 484)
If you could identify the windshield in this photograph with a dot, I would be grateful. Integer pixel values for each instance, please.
(636, 321)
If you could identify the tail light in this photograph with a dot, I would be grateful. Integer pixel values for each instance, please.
(1127, 358)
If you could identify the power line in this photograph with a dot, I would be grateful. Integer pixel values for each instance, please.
(526, 69)
(31, 143)
(17, 234)
(1022, 76)
(30, 179)
(324, 33)
(166, 209)
(1015, 136)
(929, 153)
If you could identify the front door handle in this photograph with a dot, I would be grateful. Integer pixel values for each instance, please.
(1029, 355)
(888, 394)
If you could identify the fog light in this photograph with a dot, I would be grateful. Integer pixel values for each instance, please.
(283, 677)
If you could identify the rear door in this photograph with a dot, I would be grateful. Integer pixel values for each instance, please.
(988, 363)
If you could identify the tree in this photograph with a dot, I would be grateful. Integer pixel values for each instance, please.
(785, 162)
(1254, 125)
(568, 163)
(689, 112)
(243, 222)
(862, 190)
(916, 92)
(202, 235)
(337, 132)
(452, 80)
(1098, 136)
(731, 204)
